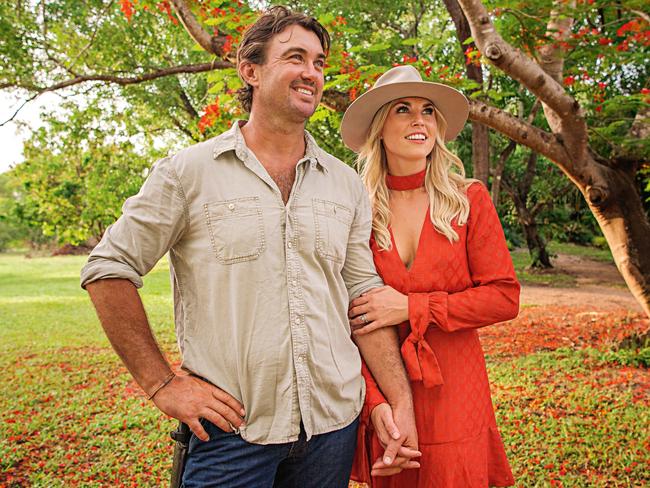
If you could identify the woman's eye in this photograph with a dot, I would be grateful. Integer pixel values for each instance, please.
(427, 111)
(402, 109)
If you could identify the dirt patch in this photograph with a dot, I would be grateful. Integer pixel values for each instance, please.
(599, 286)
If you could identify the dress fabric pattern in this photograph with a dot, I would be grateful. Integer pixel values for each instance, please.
(453, 289)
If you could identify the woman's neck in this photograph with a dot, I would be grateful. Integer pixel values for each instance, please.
(405, 167)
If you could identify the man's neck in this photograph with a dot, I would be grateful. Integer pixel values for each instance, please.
(272, 142)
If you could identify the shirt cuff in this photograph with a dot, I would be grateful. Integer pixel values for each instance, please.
(101, 269)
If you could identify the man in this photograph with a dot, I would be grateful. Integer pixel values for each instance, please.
(268, 241)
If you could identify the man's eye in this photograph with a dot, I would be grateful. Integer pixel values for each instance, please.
(319, 64)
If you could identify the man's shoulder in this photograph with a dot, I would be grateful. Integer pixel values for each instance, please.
(332, 163)
(197, 155)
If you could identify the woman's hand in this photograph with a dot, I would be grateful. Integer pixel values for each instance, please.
(398, 456)
(380, 307)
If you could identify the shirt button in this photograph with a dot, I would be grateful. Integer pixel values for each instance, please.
(231, 206)
(289, 245)
(297, 320)
(294, 282)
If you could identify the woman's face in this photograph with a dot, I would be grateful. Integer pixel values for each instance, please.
(409, 132)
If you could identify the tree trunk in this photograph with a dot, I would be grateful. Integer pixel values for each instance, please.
(534, 241)
(480, 152)
(480, 134)
(615, 202)
(498, 171)
(528, 216)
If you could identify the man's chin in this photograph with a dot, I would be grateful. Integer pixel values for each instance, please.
(305, 110)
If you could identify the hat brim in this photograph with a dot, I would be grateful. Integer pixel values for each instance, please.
(357, 119)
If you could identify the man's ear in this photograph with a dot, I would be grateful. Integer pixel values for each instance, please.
(249, 73)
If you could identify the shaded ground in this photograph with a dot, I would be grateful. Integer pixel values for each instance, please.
(597, 285)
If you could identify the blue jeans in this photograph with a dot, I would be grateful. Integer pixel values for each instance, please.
(228, 461)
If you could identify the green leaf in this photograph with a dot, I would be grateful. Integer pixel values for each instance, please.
(321, 113)
(216, 20)
(217, 87)
(469, 40)
(411, 41)
(382, 46)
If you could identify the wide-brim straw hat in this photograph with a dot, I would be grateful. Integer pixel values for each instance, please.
(402, 82)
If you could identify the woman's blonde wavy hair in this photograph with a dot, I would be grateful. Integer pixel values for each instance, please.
(444, 181)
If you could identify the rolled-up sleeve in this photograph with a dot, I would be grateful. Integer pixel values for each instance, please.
(359, 271)
(151, 222)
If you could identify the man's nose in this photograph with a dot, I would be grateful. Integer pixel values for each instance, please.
(310, 72)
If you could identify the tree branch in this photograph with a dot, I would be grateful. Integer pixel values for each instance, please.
(523, 69)
(18, 110)
(520, 131)
(187, 103)
(123, 81)
(177, 123)
(212, 44)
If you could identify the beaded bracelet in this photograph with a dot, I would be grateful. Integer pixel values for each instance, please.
(164, 383)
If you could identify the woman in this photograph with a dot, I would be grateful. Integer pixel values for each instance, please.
(439, 247)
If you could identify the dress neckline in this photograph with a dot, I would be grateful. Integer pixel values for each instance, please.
(408, 182)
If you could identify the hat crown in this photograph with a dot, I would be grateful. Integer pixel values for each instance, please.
(398, 74)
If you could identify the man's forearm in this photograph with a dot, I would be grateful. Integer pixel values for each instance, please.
(381, 352)
(123, 318)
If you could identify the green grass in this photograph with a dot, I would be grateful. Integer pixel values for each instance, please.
(590, 252)
(521, 260)
(71, 416)
(43, 306)
(568, 416)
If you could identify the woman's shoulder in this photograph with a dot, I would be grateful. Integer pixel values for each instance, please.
(476, 191)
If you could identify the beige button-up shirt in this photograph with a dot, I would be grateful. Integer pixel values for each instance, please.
(261, 289)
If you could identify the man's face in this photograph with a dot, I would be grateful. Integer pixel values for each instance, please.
(291, 80)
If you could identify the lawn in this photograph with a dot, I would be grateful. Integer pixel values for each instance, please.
(553, 277)
(573, 411)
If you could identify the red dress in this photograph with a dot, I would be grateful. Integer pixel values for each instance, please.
(453, 289)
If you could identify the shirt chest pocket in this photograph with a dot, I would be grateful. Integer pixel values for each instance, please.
(332, 221)
(236, 229)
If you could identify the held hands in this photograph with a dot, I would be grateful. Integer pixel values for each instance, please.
(401, 445)
(188, 399)
(380, 307)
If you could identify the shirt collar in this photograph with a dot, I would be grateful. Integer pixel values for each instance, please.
(233, 140)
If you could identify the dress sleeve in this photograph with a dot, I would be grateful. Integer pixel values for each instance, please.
(362, 457)
(494, 296)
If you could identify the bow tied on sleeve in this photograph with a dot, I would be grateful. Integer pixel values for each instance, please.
(420, 360)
